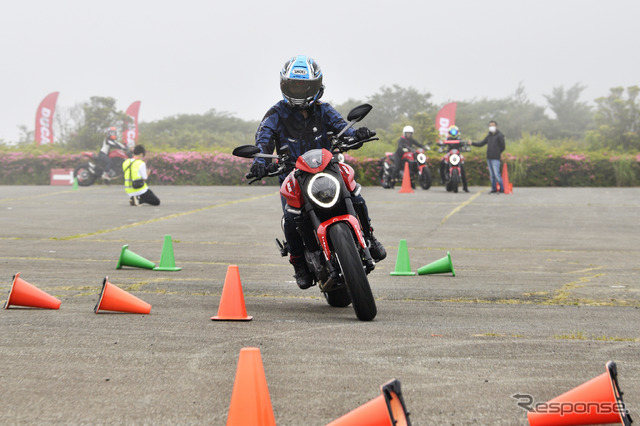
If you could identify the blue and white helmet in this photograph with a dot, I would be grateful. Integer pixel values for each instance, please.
(301, 81)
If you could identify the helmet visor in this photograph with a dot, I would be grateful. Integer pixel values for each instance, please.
(300, 89)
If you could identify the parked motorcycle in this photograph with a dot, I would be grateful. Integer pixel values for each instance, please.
(417, 167)
(388, 171)
(453, 161)
(318, 192)
(93, 167)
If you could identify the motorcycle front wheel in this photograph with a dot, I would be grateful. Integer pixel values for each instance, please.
(338, 298)
(454, 181)
(84, 175)
(425, 178)
(353, 272)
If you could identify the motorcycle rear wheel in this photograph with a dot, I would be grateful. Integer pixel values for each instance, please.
(353, 272)
(84, 175)
(388, 182)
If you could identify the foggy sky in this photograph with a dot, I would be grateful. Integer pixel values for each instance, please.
(191, 56)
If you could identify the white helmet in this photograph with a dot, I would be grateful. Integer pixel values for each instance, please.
(407, 129)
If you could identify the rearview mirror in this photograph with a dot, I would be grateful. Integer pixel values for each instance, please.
(359, 112)
(246, 151)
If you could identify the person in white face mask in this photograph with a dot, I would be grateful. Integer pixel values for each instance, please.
(495, 146)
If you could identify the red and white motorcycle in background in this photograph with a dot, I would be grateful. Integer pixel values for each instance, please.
(318, 193)
(453, 160)
(417, 167)
(92, 167)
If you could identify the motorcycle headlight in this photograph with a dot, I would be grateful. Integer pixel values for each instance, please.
(454, 159)
(422, 158)
(324, 190)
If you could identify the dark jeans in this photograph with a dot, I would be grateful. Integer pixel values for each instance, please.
(494, 173)
(150, 198)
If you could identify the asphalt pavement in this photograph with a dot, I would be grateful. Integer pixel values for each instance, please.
(546, 291)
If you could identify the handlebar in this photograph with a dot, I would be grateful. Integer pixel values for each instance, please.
(346, 145)
(275, 169)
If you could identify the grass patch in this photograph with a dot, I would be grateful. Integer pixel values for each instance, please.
(579, 335)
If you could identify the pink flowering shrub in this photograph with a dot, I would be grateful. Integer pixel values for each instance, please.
(210, 168)
(17, 168)
(195, 168)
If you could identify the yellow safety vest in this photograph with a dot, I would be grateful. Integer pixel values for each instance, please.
(132, 173)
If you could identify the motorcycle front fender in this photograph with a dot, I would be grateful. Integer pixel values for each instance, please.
(352, 221)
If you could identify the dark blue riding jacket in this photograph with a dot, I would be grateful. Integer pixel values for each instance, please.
(283, 125)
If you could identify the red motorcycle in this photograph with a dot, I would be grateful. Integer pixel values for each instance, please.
(453, 161)
(318, 192)
(92, 169)
(388, 171)
(417, 167)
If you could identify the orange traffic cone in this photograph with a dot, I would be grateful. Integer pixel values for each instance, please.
(508, 187)
(114, 298)
(598, 401)
(386, 410)
(406, 181)
(232, 301)
(250, 401)
(24, 294)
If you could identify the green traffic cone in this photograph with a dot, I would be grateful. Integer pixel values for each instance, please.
(75, 183)
(402, 261)
(440, 266)
(167, 262)
(129, 258)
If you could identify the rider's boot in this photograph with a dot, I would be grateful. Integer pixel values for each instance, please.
(302, 275)
(376, 249)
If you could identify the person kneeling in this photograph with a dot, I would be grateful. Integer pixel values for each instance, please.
(135, 177)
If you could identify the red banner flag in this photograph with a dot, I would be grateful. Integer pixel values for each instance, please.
(446, 117)
(130, 130)
(44, 118)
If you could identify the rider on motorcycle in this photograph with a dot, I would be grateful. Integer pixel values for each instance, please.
(406, 141)
(301, 122)
(453, 135)
(110, 142)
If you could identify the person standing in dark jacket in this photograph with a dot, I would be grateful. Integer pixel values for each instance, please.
(495, 145)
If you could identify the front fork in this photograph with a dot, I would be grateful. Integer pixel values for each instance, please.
(358, 210)
(311, 241)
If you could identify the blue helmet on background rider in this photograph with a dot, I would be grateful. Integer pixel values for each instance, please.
(301, 82)
(454, 132)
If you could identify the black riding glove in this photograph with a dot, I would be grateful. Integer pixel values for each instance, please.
(258, 170)
(363, 133)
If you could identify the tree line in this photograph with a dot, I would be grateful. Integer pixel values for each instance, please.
(612, 122)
